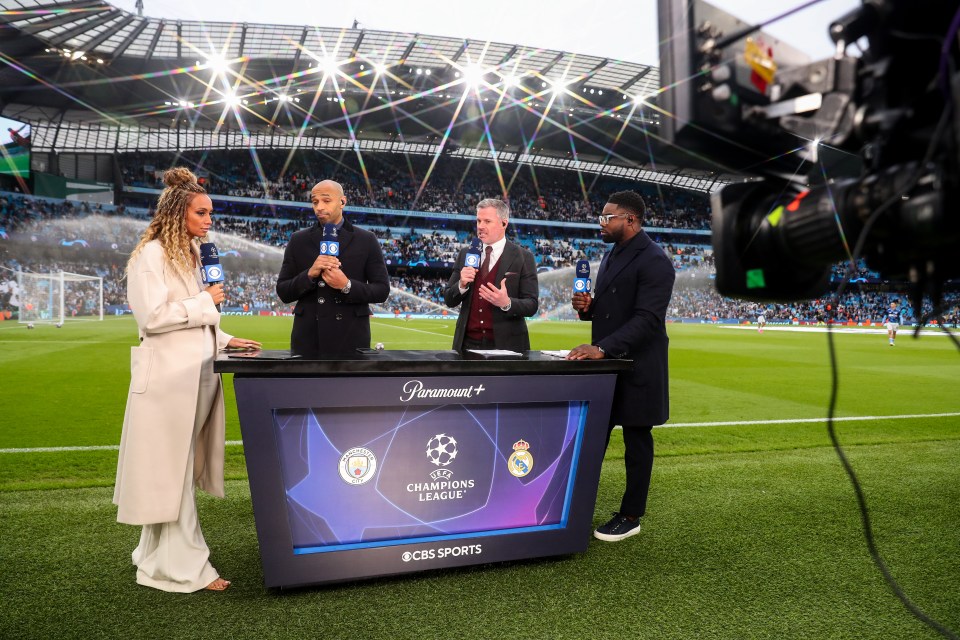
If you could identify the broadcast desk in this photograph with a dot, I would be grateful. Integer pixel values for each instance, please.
(392, 462)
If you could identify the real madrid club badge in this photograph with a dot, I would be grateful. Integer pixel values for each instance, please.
(520, 462)
(358, 465)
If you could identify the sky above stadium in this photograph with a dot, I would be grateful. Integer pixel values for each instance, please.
(627, 33)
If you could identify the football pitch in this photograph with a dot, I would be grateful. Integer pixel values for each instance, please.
(752, 530)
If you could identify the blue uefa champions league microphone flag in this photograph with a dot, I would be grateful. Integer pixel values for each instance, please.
(473, 254)
(211, 272)
(330, 246)
(581, 283)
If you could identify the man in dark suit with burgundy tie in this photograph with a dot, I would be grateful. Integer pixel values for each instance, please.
(496, 298)
(628, 308)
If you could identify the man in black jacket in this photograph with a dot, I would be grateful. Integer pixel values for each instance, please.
(333, 293)
(628, 308)
(496, 298)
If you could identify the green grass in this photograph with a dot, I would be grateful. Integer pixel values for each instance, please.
(752, 531)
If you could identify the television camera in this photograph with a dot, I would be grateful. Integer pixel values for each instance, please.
(840, 158)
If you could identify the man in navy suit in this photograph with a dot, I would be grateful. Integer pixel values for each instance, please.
(628, 308)
(333, 293)
(495, 298)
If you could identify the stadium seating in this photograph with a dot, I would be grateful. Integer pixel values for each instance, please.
(42, 234)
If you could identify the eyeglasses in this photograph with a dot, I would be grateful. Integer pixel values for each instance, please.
(607, 217)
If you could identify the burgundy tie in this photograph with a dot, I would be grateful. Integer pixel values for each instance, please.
(485, 267)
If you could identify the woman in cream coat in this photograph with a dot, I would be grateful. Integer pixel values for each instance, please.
(173, 428)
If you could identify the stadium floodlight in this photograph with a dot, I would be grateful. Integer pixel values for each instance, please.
(380, 69)
(558, 86)
(218, 64)
(231, 99)
(473, 75)
(328, 65)
(76, 55)
(510, 81)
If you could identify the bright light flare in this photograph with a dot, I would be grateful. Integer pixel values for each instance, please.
(328, 65)
(473, 75)
(558, 86)
(218, 64)
(511, 81)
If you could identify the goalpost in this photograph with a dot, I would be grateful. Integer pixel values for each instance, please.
(59, 296)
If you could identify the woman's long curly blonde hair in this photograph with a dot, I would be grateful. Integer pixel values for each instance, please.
(169, 221)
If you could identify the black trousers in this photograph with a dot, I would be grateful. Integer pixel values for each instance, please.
(638, 458)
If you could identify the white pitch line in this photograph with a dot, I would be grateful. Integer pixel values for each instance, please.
(906, 416)
(103, 447)
(905, 332)
(432, 333)
(237, 443)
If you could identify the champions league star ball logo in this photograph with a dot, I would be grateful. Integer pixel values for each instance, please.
(520, 462)
(441, 449)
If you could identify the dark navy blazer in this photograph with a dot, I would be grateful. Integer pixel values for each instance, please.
(629, 311)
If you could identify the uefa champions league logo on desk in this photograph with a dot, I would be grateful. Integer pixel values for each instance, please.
(442, 449)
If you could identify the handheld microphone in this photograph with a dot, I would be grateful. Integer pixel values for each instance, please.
(473, 254)
(329, 246)
(582, 282)
(210, 270)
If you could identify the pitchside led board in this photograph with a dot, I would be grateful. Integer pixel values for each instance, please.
(361, 477)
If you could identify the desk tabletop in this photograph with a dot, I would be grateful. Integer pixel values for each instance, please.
(396, 362)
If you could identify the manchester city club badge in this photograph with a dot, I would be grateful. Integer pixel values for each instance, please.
(358, 465)
(520, 462)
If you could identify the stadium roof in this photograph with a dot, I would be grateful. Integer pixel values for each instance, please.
(89, 66)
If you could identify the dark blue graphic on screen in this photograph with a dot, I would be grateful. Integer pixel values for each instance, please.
(358, 475)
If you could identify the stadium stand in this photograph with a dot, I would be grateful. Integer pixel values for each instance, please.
(393, 182)
(43, 234)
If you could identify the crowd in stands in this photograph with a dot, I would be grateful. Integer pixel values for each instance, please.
(45, 235)
(412, 183)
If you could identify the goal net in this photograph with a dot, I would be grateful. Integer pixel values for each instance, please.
(59, 297)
